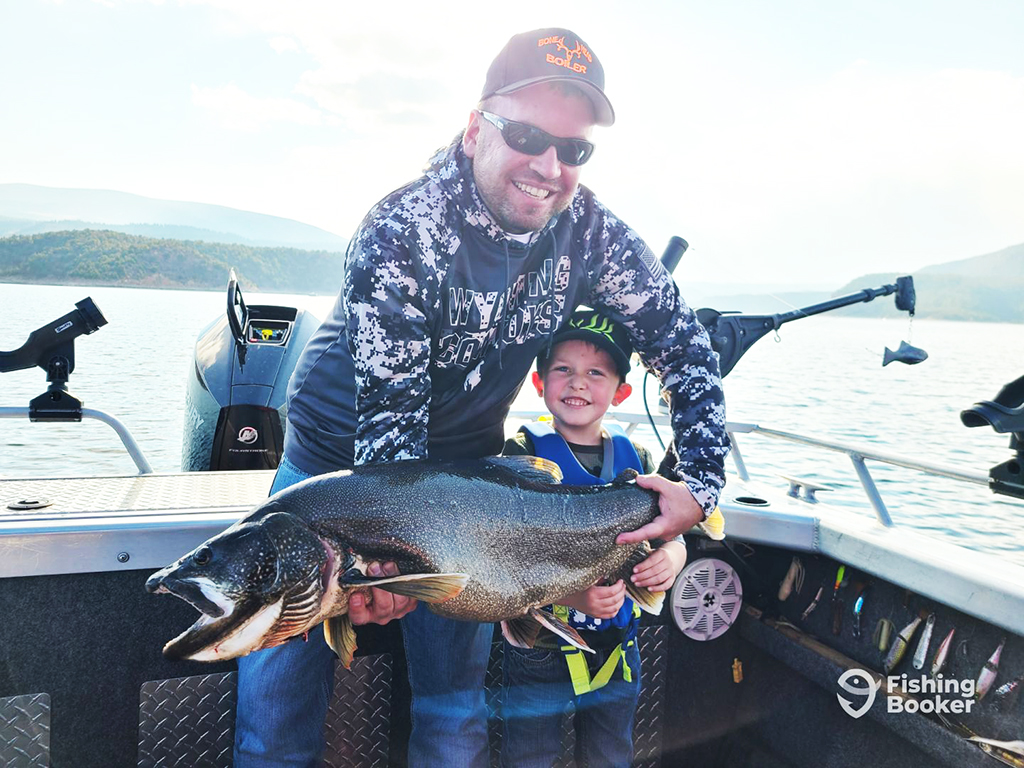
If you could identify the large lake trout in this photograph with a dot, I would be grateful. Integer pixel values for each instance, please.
(485, 540)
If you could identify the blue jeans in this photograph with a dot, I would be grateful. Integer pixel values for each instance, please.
(447, 665)
(537, 690)
(284, 692)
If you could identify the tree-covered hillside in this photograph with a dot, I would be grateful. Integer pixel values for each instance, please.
(103, 257)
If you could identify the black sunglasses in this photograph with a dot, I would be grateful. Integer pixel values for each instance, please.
(531, 140)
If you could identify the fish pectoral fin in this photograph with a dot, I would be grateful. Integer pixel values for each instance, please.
(521, 631)
(561, 629)
(341, 637)
(532, 467)
(428, 587)
(652, 602)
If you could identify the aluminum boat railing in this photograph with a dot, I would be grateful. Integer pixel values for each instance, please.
(630, 421)
(129, 442)
(858, 456)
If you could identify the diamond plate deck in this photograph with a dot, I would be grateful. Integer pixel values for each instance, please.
(95, 524)
(647, 744)
(190, 721)
(187, 721)
(358, 724)
(135, 495)
(25, 731)
(492, 687)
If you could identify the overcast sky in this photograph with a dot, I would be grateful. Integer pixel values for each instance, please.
(792, 143)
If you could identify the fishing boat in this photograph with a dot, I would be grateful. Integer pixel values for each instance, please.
(807, 637)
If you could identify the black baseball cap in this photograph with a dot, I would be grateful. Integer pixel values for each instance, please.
(549, 55)
(590, 325)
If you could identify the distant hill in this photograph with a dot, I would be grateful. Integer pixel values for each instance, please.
(103, 257)
(27, 209)
(986, 288)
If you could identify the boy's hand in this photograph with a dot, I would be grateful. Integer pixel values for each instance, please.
(377, 606)
(599, 602)
(679, 511)
(659, 571)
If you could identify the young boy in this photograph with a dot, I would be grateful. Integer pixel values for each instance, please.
(582, 375)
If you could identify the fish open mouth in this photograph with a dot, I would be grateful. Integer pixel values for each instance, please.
(219, 616)
(191, 592)
(227, 629)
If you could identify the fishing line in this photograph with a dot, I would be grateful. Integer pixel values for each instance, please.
(650, 418)
(783, 301)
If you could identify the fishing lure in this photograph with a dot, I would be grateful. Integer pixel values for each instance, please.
(1006, 695)
(921, 654)
(883, 631)
(988, 673)
(900, 645)
(837, 601)
(942, 654)
(794, 579)
(814, 604)
(858, 612)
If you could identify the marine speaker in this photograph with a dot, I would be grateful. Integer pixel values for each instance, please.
(706, 598)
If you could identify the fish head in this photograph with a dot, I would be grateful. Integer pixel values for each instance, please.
(256, 584)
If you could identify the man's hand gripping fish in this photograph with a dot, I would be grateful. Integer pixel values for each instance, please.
(481, 540)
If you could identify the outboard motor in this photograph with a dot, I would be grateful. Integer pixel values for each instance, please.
(235, 403)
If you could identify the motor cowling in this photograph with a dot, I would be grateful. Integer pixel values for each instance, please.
(236, 398)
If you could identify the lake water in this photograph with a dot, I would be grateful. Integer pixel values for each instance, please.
(823, 378)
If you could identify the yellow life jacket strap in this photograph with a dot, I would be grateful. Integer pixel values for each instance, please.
(580, 674)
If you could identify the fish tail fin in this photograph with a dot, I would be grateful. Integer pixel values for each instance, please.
(888, 357)
(652, 602)
(647, 600)
(428, 587)
(714, 526)
(341, 637)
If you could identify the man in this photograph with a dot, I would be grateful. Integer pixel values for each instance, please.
(453, 284)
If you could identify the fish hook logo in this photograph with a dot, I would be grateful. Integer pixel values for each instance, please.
(870, 690)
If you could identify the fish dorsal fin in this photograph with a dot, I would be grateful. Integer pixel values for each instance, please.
(341, 637)
(625, 477)
(533, 467)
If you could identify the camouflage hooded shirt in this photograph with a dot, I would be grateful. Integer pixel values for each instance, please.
(442, 314)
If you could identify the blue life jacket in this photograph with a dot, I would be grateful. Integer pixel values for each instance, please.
(548, 444)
